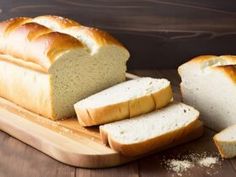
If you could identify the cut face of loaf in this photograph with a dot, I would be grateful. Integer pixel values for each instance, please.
(50, 71)
(151, 131)
(226, 142)
(125, 100)
(209, 84)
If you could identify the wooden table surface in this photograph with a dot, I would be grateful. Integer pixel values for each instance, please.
(19, 159)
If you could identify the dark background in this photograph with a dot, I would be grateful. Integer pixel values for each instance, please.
(158, 33)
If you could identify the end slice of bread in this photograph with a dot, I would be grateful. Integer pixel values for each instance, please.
(153, 131)
(125, 100)
(226, 142)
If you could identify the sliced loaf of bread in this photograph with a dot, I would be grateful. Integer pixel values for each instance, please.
(125, 100)
(157, 130)
(226, 142)
(48, 63)
(209, 85)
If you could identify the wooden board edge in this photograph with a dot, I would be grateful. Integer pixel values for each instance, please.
(19, 128)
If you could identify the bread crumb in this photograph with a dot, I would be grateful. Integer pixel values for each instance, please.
(179, 166)
(208, 161)
(182, 163)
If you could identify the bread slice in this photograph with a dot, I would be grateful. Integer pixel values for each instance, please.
(47, 72)
(209, 84)
(226, 142)
(152, 131)
(125, 100)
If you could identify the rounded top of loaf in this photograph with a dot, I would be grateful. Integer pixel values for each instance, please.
(55, 22)
(91, 37)
(211, 60)
(45, 39)
(198, 65)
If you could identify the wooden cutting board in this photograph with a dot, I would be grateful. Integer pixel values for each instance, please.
(64, 140)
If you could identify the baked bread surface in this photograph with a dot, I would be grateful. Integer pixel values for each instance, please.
(153, 131)
(125, 100)
(48, 63)
(209, 84)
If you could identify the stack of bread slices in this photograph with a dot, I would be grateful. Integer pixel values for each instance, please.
(139, 116)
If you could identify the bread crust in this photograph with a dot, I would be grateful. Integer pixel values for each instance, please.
(228, 69)
(42, 45)
(123, 110)
(202, 58)
(57, 20)
(26, 87)
(30, 47)
(21, 63)
(184, 134)
(38, 44)
(220, 149)
(65, 25)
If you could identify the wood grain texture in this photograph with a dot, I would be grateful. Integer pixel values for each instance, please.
(151, 166)
(158, 33)
(64, 140)
(18, 159)
(128, 170)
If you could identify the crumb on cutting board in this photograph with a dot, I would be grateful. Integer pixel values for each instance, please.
(179, 166)
(183, 163)
(208, 161)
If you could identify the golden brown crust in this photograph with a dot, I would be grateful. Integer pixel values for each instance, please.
(9, 25)
(203, 58)
(220, 149)
(29, 47)
(22, 63)
(51, 45)
(228, 68)
(184, 134)
(68, 26)
(38, 44)
(103, 136)
(59, 21)
(229, 71)
(123, 110)
(101, 37)
(163, 97)
(42, 45)
(97, 116)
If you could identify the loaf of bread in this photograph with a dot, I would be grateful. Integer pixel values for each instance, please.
(226, 142)
(209, 84)
(124, 100)
(157, 130)
(48, 63)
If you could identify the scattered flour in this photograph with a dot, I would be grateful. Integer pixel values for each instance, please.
(182, 164)
(179, 166)
(208, 161)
